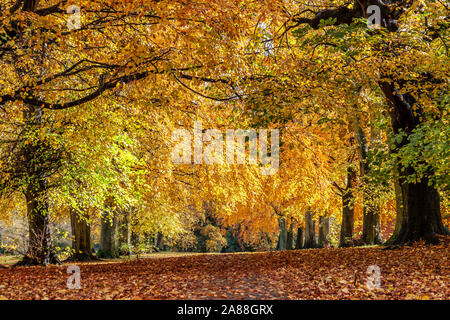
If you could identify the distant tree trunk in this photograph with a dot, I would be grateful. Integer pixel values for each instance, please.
(134, 239)
(159, 243)
(324, 232)
(310, 231)
(371, 225)
(81, 237)
(371, 208)
(124, 234)
(151, 242)
(290, 237)
(348, 211)
(107, 237)
(299, 243)
(282, 239)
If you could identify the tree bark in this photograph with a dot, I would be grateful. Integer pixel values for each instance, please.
(299, 243)
(282, 238)
(107, 237)
(290, 237)
(348, 211)
(124, 244)
(324, 232)
(159, 241)
(371, 225)
(371, 209)
(399, 211)
(40, 251)
(310, 231)
(81, 237)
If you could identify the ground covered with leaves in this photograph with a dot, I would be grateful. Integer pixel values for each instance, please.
(415, 272)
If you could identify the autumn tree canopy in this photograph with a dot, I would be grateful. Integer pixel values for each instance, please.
(92, 92)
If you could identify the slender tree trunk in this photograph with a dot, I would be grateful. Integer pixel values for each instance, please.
(159, 243)
(282, 238)
(310, 231)
(348, 212)
(299, 243)
(107, 237)
(290, 237)
(421, 204)
(371, 209)
(324, 232)
(135, 239)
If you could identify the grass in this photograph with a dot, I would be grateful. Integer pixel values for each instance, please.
(9, 259)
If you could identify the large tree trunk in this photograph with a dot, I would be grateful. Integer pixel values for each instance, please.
(299, 242)
(348, 212)
(107, 237)
(40, 251)
(310, 231)
(399, 210)
(81, 237)
(421, 214)
(421, 205)
(324, 232)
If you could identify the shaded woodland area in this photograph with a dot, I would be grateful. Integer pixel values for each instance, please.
(345, 102)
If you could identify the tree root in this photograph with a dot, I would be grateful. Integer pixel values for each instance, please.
(81, 258)
(44, 260)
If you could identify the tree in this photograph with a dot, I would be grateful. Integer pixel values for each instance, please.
(310, 231)
(299, 242)
(290, 237)
(371, 206)
(282, 238)
(324, 232)
(348, 210)
(407, 106)
(124, 241)
(108, 247)
(81, 237)
(51, 70)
